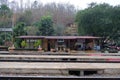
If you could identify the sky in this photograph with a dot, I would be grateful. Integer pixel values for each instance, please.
(81, 4)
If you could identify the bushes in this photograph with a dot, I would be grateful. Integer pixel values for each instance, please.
(23, 44)
(109, 50)
(37, 43)
(18, 30)
(25, 49)
(5, 37)
(113, 51)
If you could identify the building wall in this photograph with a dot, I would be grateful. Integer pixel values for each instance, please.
(72, 44)
(45, 44)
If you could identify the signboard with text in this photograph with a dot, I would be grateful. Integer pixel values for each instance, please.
(6, 29)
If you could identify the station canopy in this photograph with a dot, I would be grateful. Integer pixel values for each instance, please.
(58, 37)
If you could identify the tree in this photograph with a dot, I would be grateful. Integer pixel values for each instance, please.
(95, 20)
(115, 18)
(18, 30)
(92, 4)
(31, 13)
(35, 4)
(5, 22)
(46, 26)
(31, 30)
(99, 20)
(3, 2)
(59, 29)
(5, 37)
(25, 17)
(5, 16)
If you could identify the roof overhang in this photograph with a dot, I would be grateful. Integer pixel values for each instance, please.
(31, 37)
(58, 37)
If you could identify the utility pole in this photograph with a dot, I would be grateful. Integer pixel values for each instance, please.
(13, 24)
(21, 5)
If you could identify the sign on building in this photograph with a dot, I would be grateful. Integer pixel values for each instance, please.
(6, 29)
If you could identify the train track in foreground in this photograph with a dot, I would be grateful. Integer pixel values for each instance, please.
(51, 53)
(59, 78)
(67, 60)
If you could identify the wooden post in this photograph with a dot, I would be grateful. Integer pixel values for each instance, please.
(69, 44)
(29, 43)
(81, 72)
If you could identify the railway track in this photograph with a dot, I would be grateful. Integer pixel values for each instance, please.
(57, 78)
(58, 53)
(67, 61)
(62, 60)
(59, 58)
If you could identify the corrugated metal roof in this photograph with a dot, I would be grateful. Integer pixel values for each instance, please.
(87, 37)
(59, 37)
(31, 37)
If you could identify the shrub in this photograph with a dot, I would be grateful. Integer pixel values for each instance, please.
(37, 43)
(23, 44)
(113, 51)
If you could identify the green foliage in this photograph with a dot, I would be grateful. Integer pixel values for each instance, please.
(5, 37)
(1, 41)
(37, 43)
(31, 30)
(99, 20)
(18, 30)
(59, 29)
(5, 16)
(4, 10)
(23, 44)
(26, 17)
(45, 26)
(17, 43)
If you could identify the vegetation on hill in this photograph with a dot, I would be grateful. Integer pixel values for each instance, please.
(100, 20)
(51, 19)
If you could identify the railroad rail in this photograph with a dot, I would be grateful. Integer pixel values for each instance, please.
(57, 64)
(59, 53)
(59, 58)
(57, 78)
(61, 61)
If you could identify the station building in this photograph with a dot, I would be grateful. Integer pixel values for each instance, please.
(62, 43)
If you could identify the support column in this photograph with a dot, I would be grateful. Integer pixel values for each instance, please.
(29, 42)
(69, 44)
(100, 71)
(81, 72)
